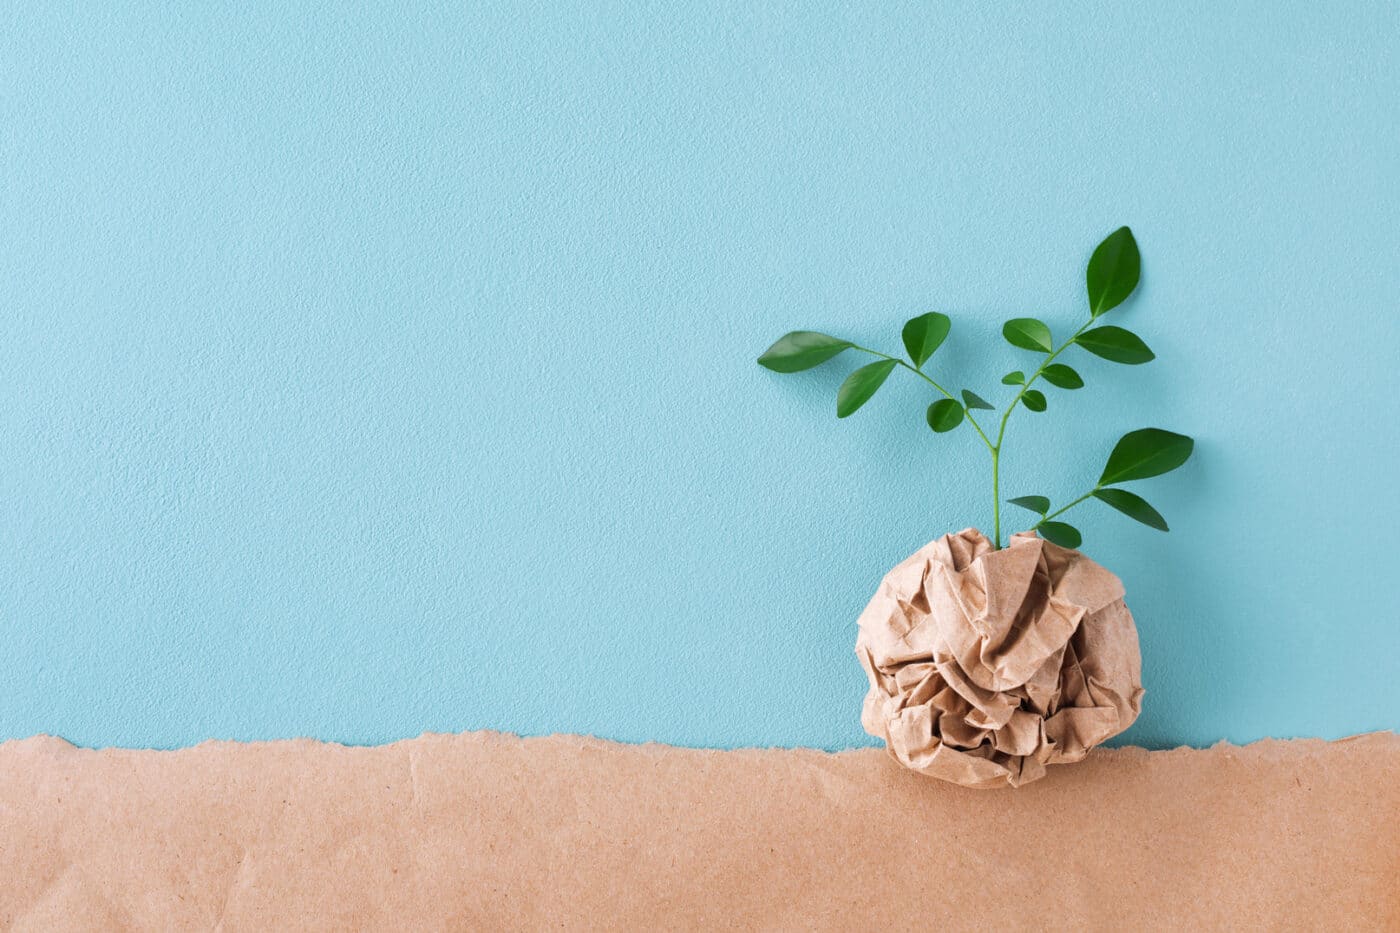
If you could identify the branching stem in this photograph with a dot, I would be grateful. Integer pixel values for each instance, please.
(1001, 431)
(1063, 509)
(926, 378)
(995, 448)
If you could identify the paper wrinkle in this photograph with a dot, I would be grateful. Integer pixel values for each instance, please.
(986, 665)
(234, 885)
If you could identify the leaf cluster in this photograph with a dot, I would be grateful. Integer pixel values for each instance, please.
(1110, 278)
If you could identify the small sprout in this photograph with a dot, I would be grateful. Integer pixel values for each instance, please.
(1111, 276)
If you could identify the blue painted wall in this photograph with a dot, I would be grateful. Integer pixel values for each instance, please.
(370, 372)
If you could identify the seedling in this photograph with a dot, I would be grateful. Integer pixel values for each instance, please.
(1111, 277)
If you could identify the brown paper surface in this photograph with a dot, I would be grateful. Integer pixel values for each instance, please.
(487, 831)
(986, 665)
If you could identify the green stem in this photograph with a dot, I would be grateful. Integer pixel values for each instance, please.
(994, 449)
(1025, 386)
(1001, 432)
(996, 495)
(1066, 508)
(925, 377)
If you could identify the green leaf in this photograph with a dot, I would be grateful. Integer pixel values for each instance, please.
(974, 400)
(1062, 377)
(861, 385)
(801, 349)
(1038, 504)
(944, 415)
(1144, 453)
(1013, 378)
(1027, 333)
(1034, 399)
(1061, 534)
(925, 334)
(1113, 271)
(1133, 506)
(1116, 344)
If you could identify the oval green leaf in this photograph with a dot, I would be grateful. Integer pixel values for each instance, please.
(1113, 271)
(925, 334)
(973, 400)
(801, 349)
(1133, 506)
(1060, 533)
(1013, 378)
(861, 385)
(944, 415)
(1062, 377)
(1038, 504)
(1145, 453)
(1034, 399)
(1116, 344)
(1027, 333)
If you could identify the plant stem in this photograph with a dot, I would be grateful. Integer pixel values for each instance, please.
(925, 377)
(1025, 386)
(1064, 509)
(1001, 433)
(995, 448)
(996, 496)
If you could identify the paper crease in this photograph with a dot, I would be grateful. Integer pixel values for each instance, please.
(987, 665)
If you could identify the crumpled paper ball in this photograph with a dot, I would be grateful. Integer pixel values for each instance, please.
(987, 665)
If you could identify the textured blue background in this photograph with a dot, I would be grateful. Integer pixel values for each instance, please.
(371, 372)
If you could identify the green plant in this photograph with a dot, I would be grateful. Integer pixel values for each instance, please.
(1111, 277)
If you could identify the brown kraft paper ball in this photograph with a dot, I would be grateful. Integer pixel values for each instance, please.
(987, 665)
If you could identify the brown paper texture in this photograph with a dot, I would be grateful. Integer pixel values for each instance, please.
(487, 832)
(986, 665)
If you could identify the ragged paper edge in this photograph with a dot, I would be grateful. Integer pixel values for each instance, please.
(488, 830)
